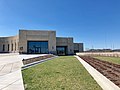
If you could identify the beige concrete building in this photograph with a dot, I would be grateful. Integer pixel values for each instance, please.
(78, 47)
(9, 44)
(39, 41)
(65, 43)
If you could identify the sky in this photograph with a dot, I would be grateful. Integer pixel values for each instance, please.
(96, 23)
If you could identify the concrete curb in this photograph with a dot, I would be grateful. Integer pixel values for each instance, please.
(105, 83)
(36, 63)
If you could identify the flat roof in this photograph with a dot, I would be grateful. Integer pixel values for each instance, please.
(35, 30)
(64, 37)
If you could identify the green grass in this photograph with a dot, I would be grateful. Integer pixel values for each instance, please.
(62, 73)
(115, 60)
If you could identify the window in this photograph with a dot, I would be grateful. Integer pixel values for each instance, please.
(61, 50)
(37, 46)
(3, 47)
(8, 47)
(15, 46)
(12, 47)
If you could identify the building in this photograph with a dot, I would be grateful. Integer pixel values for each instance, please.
(78, 47)
(39, 41)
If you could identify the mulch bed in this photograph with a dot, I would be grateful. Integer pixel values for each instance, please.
(31, 60)
(109, 70)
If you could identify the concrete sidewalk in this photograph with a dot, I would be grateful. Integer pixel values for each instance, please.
(105, 83)
(10, 71)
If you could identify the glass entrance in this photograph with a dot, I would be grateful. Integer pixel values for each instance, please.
(37, 47)
(61, 50)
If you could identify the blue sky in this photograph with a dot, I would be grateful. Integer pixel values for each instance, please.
(96, 23)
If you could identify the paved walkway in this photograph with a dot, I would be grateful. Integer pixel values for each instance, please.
(105, 83)
(10, 71)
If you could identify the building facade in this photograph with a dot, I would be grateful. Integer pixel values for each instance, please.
(9, 44)
(78, 47)
(39, 42)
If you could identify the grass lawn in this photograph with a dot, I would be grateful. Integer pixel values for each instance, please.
(62, 73)
(115, 60)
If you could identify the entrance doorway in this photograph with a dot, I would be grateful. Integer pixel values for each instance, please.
(61, 50)
(38, 47)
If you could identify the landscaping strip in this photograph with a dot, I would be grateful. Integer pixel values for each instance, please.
(115, 60)
(37, 62)
(105, 83)
(109, 70)
(34, 59)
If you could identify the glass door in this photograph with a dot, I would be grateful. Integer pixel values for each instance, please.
(61, 50)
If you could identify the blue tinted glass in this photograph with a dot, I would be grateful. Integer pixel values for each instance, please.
(37, 46)
(61, 50)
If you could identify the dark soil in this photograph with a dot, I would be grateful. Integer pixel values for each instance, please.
(30, 60)
(109, 70)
